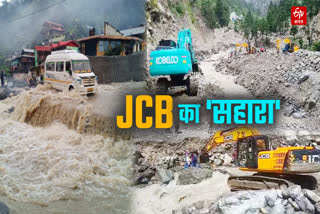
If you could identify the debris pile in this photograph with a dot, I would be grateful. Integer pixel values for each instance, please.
(293, 78)
(285, 200)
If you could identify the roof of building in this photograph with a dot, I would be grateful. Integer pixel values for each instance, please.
(42, 48)
(133, 31)
(52, 23)
(63, 43)
(102, 37)
(56, 45)
(26, 50)
(26, 56)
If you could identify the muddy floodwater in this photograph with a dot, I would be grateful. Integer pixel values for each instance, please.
(54, 157)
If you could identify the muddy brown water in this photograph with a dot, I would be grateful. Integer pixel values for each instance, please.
(57, 155)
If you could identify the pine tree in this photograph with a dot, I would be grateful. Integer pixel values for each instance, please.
(222, 13)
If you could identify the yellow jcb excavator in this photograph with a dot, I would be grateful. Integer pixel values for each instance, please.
(274, 168)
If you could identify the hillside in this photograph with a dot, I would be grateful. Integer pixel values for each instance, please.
(165, 19)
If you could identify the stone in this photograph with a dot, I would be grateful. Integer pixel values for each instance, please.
(142, 180)
(305, 204)
(4, 209)
(317, 207)
(242, 202)
(279, 193)
(164, 175)
(303, 79)
(10, 110)
(193, 175)
(218, 162)
(205, 211)
(227, 160)
(298, 115)
(285, 202)
(148, 173)
(199, 205)
(294, 204)
(278, 209)
(4, 93)
(312, 196)
(271, 197)
(290, 210)
(263, 210)
(294, 191)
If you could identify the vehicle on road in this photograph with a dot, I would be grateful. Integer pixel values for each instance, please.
(70, 70)
(174, 64)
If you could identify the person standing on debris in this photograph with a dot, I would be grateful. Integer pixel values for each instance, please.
(2, 78)
(188, 160)
(194, 159)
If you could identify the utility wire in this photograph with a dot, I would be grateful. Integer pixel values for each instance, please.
(12, 20)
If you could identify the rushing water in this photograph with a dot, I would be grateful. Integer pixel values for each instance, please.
(50, 163)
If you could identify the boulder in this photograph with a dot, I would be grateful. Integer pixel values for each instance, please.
(317, 207)
(148, 173)
(313, 197)
(193, 175)
(218, 162)
(278, 209)
(243, 202)
(271, 197)
(294, 204)
(304, 204)
(4, 93)
(164, 175)
(293, 191)
(227, 160)
(4, 209)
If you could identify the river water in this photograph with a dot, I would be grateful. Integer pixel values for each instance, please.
(54, 159)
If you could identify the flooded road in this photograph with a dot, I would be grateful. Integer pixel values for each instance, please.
(55, 157)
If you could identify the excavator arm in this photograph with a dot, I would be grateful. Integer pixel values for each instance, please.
(229, 136)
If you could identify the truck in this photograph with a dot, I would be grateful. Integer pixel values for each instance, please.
(174, 64)
(70, 70)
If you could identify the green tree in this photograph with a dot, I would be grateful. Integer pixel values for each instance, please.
(248, 24)
(222, 13)
(294, 31)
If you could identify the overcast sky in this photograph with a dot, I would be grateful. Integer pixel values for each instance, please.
(2, 1)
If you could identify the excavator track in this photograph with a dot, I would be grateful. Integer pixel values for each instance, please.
(272, 181)
(255, 182)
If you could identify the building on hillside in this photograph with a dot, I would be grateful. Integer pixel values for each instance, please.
(136, 32)
(24, 62)
(110, 30)
(41, 52)
(139, 32)
(105, 45)
(53, 32)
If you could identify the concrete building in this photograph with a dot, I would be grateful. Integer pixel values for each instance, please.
(105, 45)
(53, 32)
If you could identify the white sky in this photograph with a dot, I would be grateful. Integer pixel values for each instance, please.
(2, 1)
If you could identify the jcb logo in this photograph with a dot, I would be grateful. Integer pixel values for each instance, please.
(264, 156)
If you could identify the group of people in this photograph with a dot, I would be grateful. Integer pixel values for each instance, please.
(191, 159)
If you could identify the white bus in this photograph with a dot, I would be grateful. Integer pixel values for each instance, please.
(70, 70)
